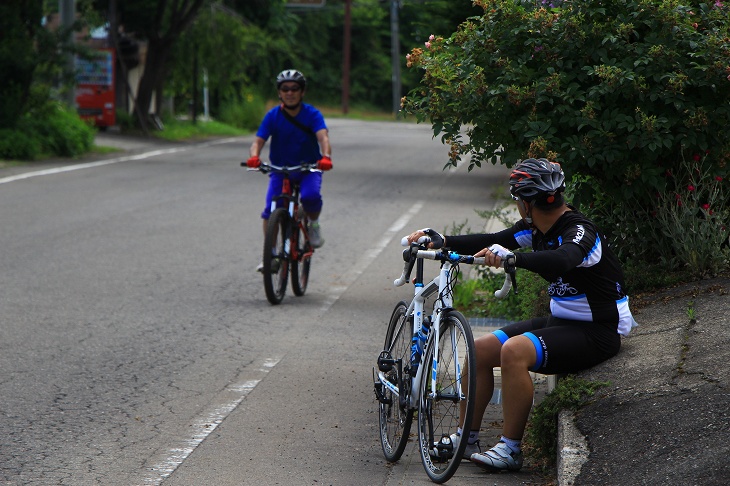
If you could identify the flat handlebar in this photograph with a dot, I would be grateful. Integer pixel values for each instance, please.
(267, 167)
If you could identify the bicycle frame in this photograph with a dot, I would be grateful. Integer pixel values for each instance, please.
(290, 196)
(287, 248)
(411, 376)
(444, 301)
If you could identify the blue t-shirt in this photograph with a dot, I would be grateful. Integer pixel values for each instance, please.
(290, 145)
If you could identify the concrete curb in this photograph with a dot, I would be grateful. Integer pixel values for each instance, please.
(572, 449)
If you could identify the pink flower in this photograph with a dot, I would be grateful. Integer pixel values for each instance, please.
(690, 188)
(428, 45)
(705, 206)
(696, 157)
(431, 37)
(718, 178)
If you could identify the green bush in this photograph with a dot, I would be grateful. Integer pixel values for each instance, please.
(62, 131)
(18, 145)
(615, 89)
(50, 129)
(246, 113)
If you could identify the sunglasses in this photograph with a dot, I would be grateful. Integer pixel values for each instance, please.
(291, 88)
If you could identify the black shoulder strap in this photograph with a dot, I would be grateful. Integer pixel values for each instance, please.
(298, 124)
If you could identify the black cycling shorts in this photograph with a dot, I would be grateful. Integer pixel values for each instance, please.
(565, 346)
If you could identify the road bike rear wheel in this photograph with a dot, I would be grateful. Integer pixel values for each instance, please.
(276, 258)
(395, 415)
(300, 265)
(438, 413)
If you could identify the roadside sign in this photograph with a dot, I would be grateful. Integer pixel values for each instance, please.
(306, 3)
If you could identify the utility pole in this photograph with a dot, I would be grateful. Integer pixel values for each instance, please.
(395, 54)
(67, 10)
(346, 59)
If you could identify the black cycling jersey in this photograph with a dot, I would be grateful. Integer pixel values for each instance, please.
(585, 279)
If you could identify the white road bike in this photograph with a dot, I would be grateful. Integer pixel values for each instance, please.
(424, 368)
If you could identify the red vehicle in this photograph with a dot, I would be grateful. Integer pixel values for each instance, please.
(95, 89)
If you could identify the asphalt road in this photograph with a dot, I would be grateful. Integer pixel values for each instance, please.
(137, 345)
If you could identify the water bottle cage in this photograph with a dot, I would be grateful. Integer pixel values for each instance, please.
(418, 343)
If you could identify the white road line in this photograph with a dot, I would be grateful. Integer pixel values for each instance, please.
(367, 258)
(126, 158)
(221, 407)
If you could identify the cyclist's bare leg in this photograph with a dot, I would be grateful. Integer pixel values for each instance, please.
(518, 356)
(487, 350)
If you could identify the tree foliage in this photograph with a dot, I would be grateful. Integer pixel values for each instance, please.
(21, 41)
(615, 89)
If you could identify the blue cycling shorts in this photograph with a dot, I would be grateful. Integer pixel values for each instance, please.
(310, 191)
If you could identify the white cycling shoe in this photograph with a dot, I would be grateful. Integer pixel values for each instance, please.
(498, 458)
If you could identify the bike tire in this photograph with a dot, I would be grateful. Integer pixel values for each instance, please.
(395, 418)
(300, 266)
(275, 254)
(438, 416)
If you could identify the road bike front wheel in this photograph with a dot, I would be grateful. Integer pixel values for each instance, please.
(395, 414)
(443, 387)
(276, 257)
(300, 265)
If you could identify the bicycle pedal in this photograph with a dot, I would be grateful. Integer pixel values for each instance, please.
(385, 362)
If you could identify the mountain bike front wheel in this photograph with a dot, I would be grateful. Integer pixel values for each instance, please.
(394, 412)
(300, 265)
(452, 371)
(276, 258)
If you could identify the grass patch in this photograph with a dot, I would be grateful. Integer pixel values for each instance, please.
(176, 130)
(103, 150)
(541, 435)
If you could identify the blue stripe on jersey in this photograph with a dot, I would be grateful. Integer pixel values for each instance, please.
(524, 238)
(594, 256)
(538, 350)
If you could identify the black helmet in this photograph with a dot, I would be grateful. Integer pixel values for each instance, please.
(291, 75)
(536, 179)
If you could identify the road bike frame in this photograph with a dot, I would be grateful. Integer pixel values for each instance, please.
(442, 285)
(402, 388)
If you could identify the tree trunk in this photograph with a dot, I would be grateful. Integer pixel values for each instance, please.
(179, 15)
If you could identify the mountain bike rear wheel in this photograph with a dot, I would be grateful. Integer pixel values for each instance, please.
(276, 258)
(300, 265)
(395, 416)
(438, 413)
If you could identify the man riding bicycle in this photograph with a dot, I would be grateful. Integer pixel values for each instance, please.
(299, 135)
(589, 309)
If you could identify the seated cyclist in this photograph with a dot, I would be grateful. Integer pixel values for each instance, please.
(298, 135)
(589, 309)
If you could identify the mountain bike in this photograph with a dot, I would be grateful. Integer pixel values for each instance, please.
(286, 244)
(425, 367)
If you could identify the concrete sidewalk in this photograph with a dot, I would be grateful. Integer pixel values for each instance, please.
(665, 417)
